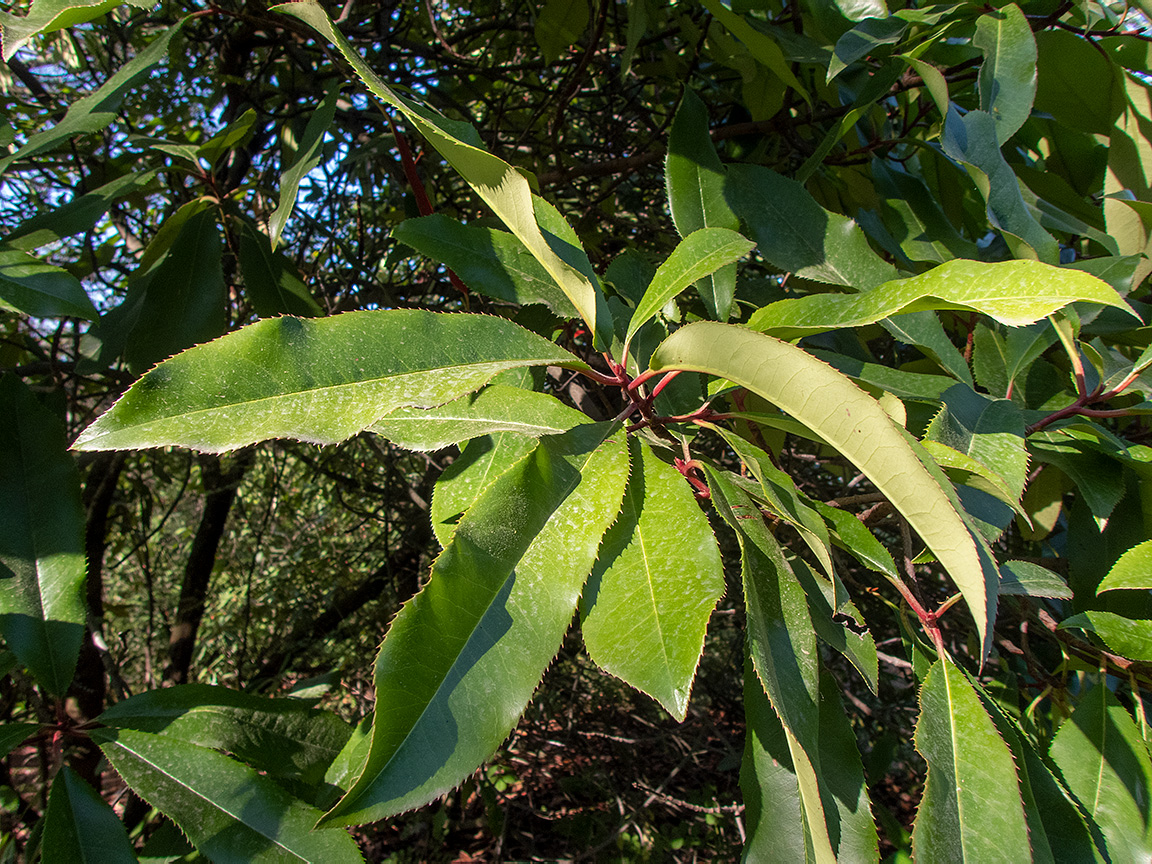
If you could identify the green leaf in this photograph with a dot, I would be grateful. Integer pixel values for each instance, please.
(41, 540)
(971, 139)
(858, 10)
(1096, 476)
(75, 216)
(559, 24)
(924, 330)
(94, 112)
(698, 255)
(1008, 73)
(797, 235)
(1077, 84)
(852, 422)
(14, 734)
(80, 827)
(490, 262)
(309, 153)
(1105, 764)
(659, 570)
(1032, 580)
(496, 408)
(990, 431)
(972, 808)
(229, 812)
(462, 658)
(864, 39)
(694, 179)
(1133, 570)
(498, 184)
(35, 288)
(270, 279)
(233, 135)
(1012, 292)
(1128, 637)
(859, 649)
(760, 45)
(46, 16)
(318, 380)
(284, 737)
(858, 540)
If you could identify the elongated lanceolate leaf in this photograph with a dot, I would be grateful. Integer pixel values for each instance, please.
(284, 737)
(1008, 74)
(463, 657)
(501, 186)
(46, 16)
(760, 45)
(1032, 580)
(694, 180)
(41, 540)
(271, 280)
(1012, 292)
(700, 254)
(972, 809)
(1129, 637)
(30, 286)
(496, 408)
(316, 380)
(851, 421)
(1106, 766)
(80, 827)
(1132, 571)
(11, 734)
(93, 113)
(308, 154)
(797, 235)
(228, 811)
(659, 571)
(492, 263)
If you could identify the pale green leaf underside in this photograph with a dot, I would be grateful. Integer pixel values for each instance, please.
(1012, 292)
(316, 380)
(501, 186)
(848, 419)
(231, 813)
(462, 658)
(497, 408)
(1133, 570)
(700, 254)
(656, 581)
(971, 810)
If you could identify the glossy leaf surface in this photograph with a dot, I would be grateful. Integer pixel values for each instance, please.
(463, 657)
(80, 828)
(320, 380)
(1131, 638)
(30, 286)
(658, 569)
(1132, 571)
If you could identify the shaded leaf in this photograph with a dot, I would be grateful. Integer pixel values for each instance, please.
(13, 734)
(228, 811)
(760, 45)
(658, 569)
(1008, 73)
(852, 422)
(46, 16)
(271, 280)
(972, 808)
(559, 23)
(42, 567)
(462, 658)
(1032, 580)
(1013, 292)
(320, 380)
(80, 827)
(33, 287)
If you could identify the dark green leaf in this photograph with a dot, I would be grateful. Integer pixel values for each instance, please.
(270, 279)
(558, 25)
(1032, 580)
(308, 155)
(30, 286)
(12, 734)
(80, 827)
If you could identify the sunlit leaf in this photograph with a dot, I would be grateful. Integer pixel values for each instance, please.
(1128, 637)
(1132, 571)
(1008, 74)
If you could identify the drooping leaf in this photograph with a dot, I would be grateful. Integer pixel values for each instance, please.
(658, 569)
(270, 279)
(1008, 74)
(759, 44)
(33, 287)
(80, 827)
(490, 262)
(858, 648)
(320, 380)
(1032, 580)
(501, 186)
(46, 16)
(1013, 292)
(230, 812)
(496, 408)
(865, 38)
(307, 156)
(1106, 766)
(1132, 571)
(858, 540)
(1097, 476)
(852, 422)
(462, 658)
(700, 254)
(924, 330)
(284, 737)
(41, 540)
(1129, 637)
(694, 179)
(798, 236)
(94, 112)
(972, 808)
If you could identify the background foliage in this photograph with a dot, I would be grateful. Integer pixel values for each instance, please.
(866, 578)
